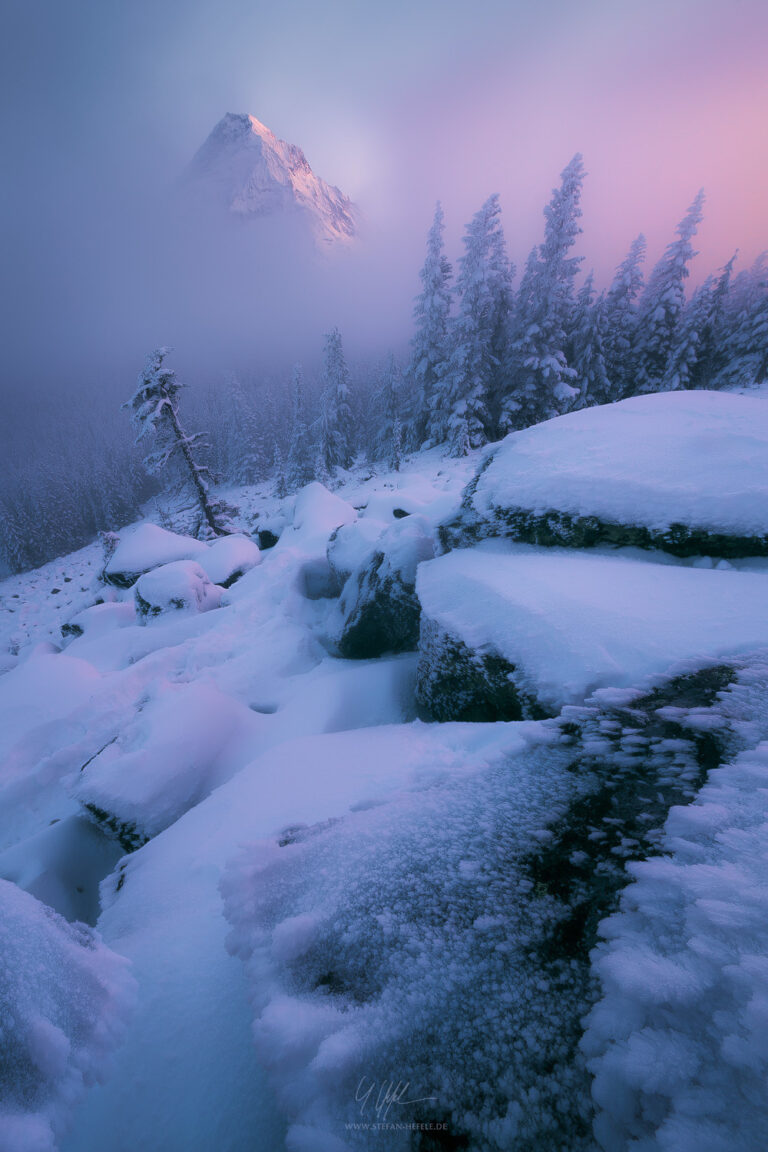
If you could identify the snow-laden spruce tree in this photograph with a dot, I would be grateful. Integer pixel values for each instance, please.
(620, 314)
(429, 348)
(155, 410)
(335, 411)
(539, 379)
(699, 345)
(469, 388)
(661, 306)
(744, 344)
(388, 402)
(588, 349)
(300, 468)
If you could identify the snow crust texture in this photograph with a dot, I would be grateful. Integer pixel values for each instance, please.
(64, 1000)
(677, 1044)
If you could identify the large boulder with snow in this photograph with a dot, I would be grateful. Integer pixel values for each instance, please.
(181, 745)
(64, 1001)
(146, 547)
(510, 630)
(179, 587)
(685, 472)
(379, 608)
(352, 545)
(228, 558)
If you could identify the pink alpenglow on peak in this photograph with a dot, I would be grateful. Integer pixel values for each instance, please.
(243, 167)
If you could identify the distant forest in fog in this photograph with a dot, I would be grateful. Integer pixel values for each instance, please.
(486, 358)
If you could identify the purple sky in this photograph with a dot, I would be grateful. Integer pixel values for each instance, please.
(105, 101)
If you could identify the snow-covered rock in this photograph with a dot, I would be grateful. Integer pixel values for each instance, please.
(678, 1044)
(378, 610)
(245, 169)
(557, 624)
(145, 547)
(686, 472)
(64, 1000)
(182, 586)
(352, 545)
(182, 743)
(100, 619)
(229, 558)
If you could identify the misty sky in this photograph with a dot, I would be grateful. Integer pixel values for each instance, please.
(105, 101)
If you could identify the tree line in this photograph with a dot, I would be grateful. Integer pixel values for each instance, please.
(487, 357)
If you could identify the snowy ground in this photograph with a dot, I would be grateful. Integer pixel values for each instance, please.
(317, 877)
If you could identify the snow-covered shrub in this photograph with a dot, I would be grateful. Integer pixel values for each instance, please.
(64, 999)
(379, 609)
(145, 547)
(182, 586)
(678, 1044)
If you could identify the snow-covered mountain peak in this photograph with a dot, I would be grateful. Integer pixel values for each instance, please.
(245, 168)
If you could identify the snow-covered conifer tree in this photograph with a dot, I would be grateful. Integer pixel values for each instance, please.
(300, 468)
(389, 439)
(155, 409)
(661, 306)
(280, 485)
(472, 380)
(430, 342)
(591, 379)
(620, 316)
(335, 413)
(744, 344)
(700, 342)
(539, 379)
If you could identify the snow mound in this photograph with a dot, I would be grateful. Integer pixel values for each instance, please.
(679, 467)
(64, 999)
(317, 512)
(567, 623)
(678, 1044)
(178, 748)
(145, 547)
(182, 586)
(228, 558)
(100, 620)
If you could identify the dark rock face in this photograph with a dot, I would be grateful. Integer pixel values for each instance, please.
(560, 529)
(267, 538)
(455, 683)
(557, 529)
(383, 614)
(379, 606)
